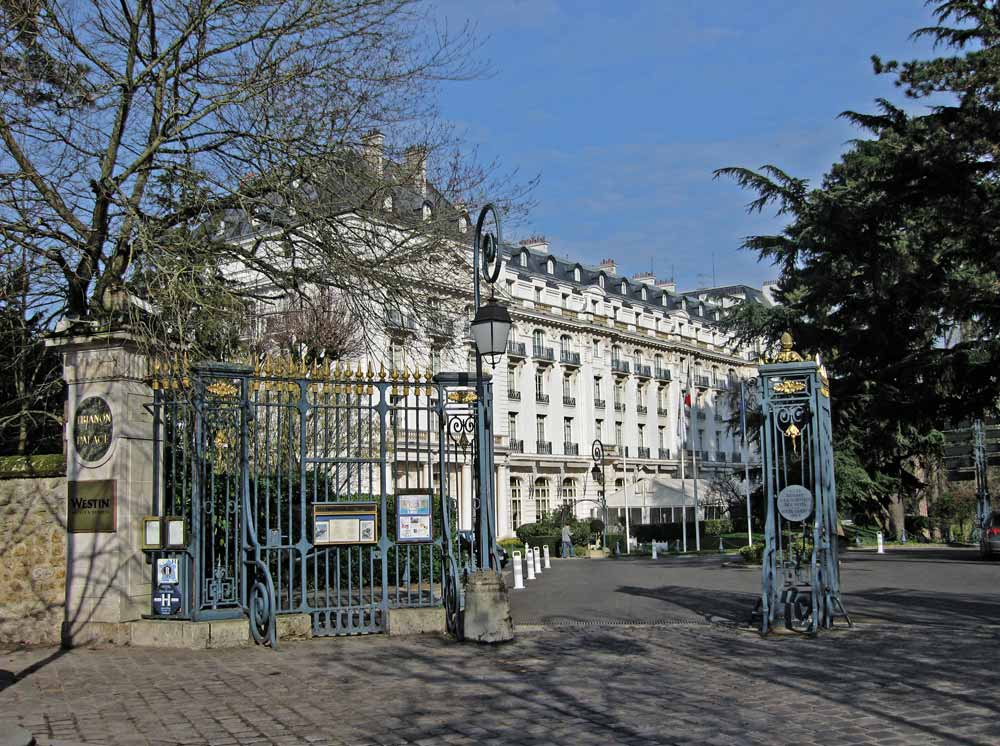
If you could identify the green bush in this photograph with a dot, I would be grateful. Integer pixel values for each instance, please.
(512, 545)
(717, 526)
(619, 538)
(752, 554)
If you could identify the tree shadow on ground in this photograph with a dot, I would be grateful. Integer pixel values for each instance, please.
(710, 605)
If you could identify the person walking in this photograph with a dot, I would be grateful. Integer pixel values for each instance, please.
(567, 541)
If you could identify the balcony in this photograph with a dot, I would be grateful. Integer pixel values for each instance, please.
(702, 381)
(514, 395)
(441, 328)
(620, 367)
(720, 456)
(643, 371)
(516, 349)
(619, 406)
(662, 412)
(736, 458)
(663, 374)
(664, 453)
(399, 322)
(569, 401)
(703, 455)
(516, 446)
(543, 447)
(643, 452)
(569, 358)
(541, 398)
(545, 354)
(600, 404)
(719, 417)
(701, 415)
(571, 449)
(642, 409)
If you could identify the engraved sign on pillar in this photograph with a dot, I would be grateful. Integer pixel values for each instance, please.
(92, 429)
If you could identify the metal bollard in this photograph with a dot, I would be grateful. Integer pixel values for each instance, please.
(518, 572)
(538, 560)
(531, 563)
(881, 543)
(545, 555)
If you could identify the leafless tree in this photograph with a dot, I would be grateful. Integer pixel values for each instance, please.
(169, 160)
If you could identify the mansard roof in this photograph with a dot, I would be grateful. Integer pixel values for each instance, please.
(537, 267)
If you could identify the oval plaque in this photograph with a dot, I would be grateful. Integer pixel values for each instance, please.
(92, 428)
(795, 502)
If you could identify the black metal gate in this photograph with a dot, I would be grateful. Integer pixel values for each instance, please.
(286, 478)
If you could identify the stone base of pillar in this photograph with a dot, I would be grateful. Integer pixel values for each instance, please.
(487, 608)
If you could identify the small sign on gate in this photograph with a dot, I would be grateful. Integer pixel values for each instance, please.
(414, 523)
(795, 502)
(345, 523)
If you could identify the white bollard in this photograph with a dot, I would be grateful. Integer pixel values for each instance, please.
(545, 554)
(531, 563)
(654, 551)
(518, 572)
(881, 543)
(538, 560)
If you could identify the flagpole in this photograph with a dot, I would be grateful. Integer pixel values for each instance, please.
(694, 463)
(625, 467)
(746, 457)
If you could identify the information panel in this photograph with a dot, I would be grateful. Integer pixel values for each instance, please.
(345, 523)
(414, 522)
(92, 506)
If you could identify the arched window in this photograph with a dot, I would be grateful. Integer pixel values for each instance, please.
(463, 224)
(550, 265)
(576, 274)
(638, 358)
(663, 299)
(564, 343)
(537, 340)
(644, 293)
(624, 287)
(524, 258)
(568, 491)
(616, 353)
(600, 281)
(516, 511)
(542, 505)
(427, 211)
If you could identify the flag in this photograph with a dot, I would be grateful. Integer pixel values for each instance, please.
(684, 400)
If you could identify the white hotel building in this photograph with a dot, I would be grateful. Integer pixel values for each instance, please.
(593, 355)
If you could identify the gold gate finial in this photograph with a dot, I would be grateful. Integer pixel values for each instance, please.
(787, 354)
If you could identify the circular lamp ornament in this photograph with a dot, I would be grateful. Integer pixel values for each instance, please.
(490, 329)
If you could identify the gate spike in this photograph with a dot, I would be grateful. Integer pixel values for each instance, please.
(406, 380)
(358, 377)
(427, 380)
(395, 380)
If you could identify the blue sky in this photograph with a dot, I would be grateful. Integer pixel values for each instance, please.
(625, 109)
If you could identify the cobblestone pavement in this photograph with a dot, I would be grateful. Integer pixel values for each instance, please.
(684, 683)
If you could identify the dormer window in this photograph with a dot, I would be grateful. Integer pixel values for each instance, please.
(426, 211)
(387, 202)
(624, 288)
(550, 266)
(600, 281)
(644, 293)
(576, 274)
(663, 299)
(463, 224)
(524, 258)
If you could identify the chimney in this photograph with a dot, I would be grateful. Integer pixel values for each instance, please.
(669, 285)
(537, 243)
(645, 278)
(373, 151)
(416, 167)
(609, 266)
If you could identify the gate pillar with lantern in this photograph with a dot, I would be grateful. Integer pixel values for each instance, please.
(800, 570)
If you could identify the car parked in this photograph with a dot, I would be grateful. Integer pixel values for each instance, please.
(989, 544)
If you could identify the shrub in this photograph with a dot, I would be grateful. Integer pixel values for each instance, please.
(596, 526)
(716, 526)
(752, 554)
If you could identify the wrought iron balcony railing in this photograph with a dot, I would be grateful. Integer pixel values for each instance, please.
(663, 374)
(569, 358)
(619, 406)
(720, 456)
(544, 447)
(516, 446)
(701, 415)
(702, 381)
(400, 322)
(643, 452)
(736, 458)
(569, 401)
(643, 371)
(541, 398)
(516, 349)
(514, 395)
(664, 453)
(571, 449)
(543, 353)
(600, 404)
(619, 366)
(662, 411)
(642, 409)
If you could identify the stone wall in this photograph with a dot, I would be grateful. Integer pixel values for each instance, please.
(32, 559)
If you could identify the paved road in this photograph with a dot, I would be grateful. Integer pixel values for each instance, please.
(905, 586)
(686, 683)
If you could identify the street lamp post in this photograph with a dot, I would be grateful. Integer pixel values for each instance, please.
(490, 330)
(597, 451)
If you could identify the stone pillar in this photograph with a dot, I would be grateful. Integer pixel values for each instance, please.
(503, 501)
(109, 475)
